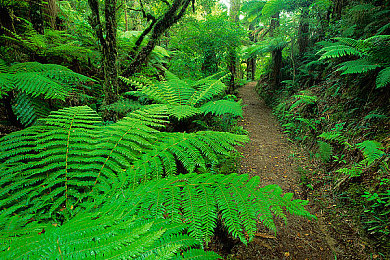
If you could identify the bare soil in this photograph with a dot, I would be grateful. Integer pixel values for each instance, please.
(271, 156)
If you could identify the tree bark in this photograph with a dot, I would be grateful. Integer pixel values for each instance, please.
(235, 6)
(36, 16)
(251, 62)
(276, 55)
(107, 46)
(156, 29)
(52, 12)
(303, 32)
(338, 8)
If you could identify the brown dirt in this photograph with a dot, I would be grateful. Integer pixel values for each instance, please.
(270, 156)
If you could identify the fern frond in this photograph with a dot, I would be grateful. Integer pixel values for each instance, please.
(325, 150)
(182, 111)
(196, 199)
(220, 107)
(334, 136)
(337, 51)
(3, 66)
(357, 66)
(28, 109)
(103, 235)
(49, 80)
(207, 92)
(372, 150)
(349, 41)
(194, 150)
(383, 78)
(303, 98)
(71, 157)
(123, 106)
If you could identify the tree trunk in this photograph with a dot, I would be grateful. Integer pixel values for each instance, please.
(276, 55)
(157, 27)
(110, 55)
(107, 47)
(36, 16)
(251, 62)
(6, 22)
(209, 65)
(303, 32)
(126, 21)
(52, 13)
(235, 6)
(338, 6)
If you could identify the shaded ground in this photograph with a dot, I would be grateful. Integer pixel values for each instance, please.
(270, 156)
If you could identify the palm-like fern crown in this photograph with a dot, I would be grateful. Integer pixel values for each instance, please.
(185, 99)
(372, 53)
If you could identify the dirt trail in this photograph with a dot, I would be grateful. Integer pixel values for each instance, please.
(269, 156)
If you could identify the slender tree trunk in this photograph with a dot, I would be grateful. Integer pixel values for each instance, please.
(276, 55)
(235, 6)
(107, 46)
(36, 15)
(303, 32)
(52, 12)
(338, 6)
(156, 28)
(126, 21)
(110, 54)
(251, 62)
(6, 22)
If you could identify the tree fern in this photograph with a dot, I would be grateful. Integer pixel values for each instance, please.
(28, 109)
(34, 82)
(186, 99)
(49, 80)
(371, 150)
(220, 107)
(71, 157)
(104, 235)
(196, 200)
(357, 66)
(383, 78)
(99, 175)
(373, 53)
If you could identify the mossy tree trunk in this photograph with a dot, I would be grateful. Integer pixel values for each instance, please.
(234, 12)
(303, 32)
(276, 55)
(157, 27)
(108, 47)
(251, 62)
(36, 16)
(52, 11)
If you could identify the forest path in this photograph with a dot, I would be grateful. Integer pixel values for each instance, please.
(269, 156)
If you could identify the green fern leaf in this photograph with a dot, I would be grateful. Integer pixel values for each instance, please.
(357, 66)
(28, 109)
(325, 150)
(102, 235)
(383, 78)
(197, 198)
(337, 51)
(221, 107)
(372, 150)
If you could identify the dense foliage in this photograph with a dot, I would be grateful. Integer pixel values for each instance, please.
(118, 120)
